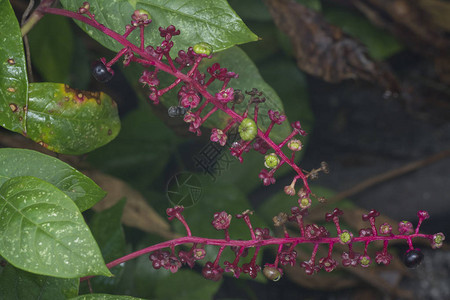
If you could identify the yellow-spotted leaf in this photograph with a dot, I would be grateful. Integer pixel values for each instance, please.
(70, 121)
(43, 232)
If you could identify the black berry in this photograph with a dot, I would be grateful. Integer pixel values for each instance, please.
(413, 258)
(177, 111)
(100, 72)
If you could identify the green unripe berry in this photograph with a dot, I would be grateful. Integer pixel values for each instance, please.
(203, 48)
(271, 161)
(248, 129)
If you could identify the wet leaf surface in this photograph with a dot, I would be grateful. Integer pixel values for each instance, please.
(42, 231)
(70, 121)
(21, 162)
(13, 74)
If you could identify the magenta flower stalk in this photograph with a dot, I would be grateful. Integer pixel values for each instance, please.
(193, 88)
(192, 92)
(286, 254)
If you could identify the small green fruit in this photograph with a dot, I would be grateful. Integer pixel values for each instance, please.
(203, 48)
(248, 129)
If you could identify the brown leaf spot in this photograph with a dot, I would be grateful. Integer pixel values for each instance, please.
(109, 131)
(11, 61)
(13, 107)
(11, 89)
(80, 95)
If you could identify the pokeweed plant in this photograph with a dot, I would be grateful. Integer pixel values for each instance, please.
(41, 226)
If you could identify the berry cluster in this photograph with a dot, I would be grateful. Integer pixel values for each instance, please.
(313, 234)
(195, 103)
(194, 100)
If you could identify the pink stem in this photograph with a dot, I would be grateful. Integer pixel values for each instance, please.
(178, 74)
(186, 226)
(168, 88)
(288, 138)
(269, 128)
(336, 223)
(330, 249)
(116, 58)
(313, 255)
(374, 228)
(216, 262)
(213, 110)
(141, 28)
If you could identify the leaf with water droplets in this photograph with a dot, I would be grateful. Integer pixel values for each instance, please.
(22, 162)
(43, 232)
(13, 74)
(70, 121)
(18, 284)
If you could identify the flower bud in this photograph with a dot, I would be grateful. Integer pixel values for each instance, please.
(345, 237)
(271, 161)
(295, 145)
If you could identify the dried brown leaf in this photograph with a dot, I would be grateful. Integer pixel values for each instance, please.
(323, 50)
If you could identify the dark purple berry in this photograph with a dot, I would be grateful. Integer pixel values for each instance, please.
(100, 72)
(413, 258)
(177, 111)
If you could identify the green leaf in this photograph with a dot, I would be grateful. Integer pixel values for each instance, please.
(104, 297)
(140, 152)
(107, 230)
(179, 286)
(78, 187)
(211, 21)
(52, 46)
(21, 285)
(70, 121)
(43, 232)
(13, 74)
